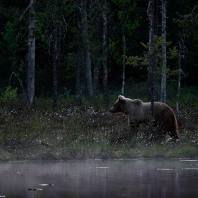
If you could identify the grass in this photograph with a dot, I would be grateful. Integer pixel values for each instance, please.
(86, 131)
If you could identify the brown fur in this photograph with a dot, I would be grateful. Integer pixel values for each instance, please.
(140, 112)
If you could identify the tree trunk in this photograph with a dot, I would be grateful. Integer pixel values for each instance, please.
(55, 72)
(79, 62)
(163, 80)
(31, 55)
(105, 68)
(123, 65)
(96, 51)
(156, 16)
(150, 12)
(179, 81)
(79, 76)
(56, 51)
(88, 71)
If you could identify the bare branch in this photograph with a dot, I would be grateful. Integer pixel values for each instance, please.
(21, 84)
(25, 12)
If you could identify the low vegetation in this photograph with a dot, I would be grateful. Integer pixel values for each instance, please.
(87, 131)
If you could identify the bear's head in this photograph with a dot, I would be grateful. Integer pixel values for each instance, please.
(126, 105)
(120, 105)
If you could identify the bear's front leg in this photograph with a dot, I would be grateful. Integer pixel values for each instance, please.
(135, 128)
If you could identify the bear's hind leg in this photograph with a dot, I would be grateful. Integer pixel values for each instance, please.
(174, 136)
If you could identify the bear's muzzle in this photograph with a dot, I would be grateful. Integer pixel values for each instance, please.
(112, 110)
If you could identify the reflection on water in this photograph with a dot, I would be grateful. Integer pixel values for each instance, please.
(100, 178)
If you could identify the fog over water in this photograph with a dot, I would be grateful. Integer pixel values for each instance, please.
(136, 178)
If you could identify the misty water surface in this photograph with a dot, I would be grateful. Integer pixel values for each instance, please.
(100, 178)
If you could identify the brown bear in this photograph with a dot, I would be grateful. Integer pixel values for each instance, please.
(140, 112)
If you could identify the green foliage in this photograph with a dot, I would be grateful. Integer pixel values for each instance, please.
(127, 23)
(9, 94)
(189, 95)
(66, 93)
(125, 18)
(155, 48)
(47, 22)
(13, 45)
(10, 37)
(137, 61)
(189, 25)
(173, 52)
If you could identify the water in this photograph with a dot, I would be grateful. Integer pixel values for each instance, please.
(100, 178)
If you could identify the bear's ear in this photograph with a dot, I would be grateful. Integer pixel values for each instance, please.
(121, 98)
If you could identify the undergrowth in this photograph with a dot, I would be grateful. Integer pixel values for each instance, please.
(86, 131)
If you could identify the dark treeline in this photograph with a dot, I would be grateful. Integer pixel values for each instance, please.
(79, 44)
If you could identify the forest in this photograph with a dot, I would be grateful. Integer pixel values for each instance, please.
(90, 50)
(69, 54)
